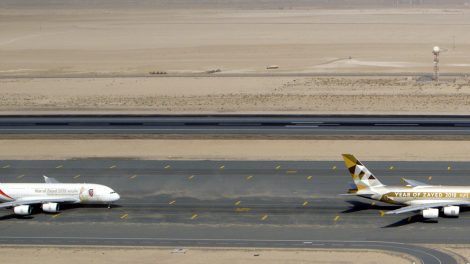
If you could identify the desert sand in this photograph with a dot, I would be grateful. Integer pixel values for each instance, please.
(38, 149)
(317, 95)
(114, 255)
(124, 41)
(115, 42)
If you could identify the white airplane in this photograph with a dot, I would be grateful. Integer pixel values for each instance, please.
(23, 196)
(415, 196)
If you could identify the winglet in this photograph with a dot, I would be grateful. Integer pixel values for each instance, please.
(50, 180)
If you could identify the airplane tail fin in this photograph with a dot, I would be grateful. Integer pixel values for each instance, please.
(362, 177)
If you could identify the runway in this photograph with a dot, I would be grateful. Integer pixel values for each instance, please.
(290, 125)
(231, 203)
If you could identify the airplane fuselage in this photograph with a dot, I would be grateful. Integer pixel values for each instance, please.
(421, 194)
(83, 193)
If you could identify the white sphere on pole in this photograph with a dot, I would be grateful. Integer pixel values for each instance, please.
(436, 49)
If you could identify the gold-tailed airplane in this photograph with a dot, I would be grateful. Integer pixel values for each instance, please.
(415, 196)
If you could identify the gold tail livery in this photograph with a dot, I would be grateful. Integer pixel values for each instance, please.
(415, 196)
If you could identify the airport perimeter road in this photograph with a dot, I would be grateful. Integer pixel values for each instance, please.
(234, 203)
(239, 125)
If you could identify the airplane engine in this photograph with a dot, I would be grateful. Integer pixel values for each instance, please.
(23, 209)
(430, 213)
(50, 207)
(451, 210)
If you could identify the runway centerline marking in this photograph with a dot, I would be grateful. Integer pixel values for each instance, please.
(309, 177)
(222, 167)
(391, 167)
(334, 167)
(167, 167)
(429, 178)
(238, 203)
(194, 216)
(76, 176)
(172, 202)
(113, 166)
(6, 166)
(133, 176)
(278, 167)
(305, 203)
(21, 176)
(249, 177)
(59, 166)
(124, 216)
(336, 218)
(264, 217)
(449, 168)
(191, 177)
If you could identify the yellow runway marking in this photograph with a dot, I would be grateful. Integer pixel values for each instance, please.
(124, 216)
(222, 167)
(133, 176)
(167, 167)
(264, 217)
(334, 167)
(391, 167)
(305, 203)
(56, 215)
(172, 202)
(448, 168)
(194, 216)
(60, 166)
(309, 177)
(278, 167)
(336, 218)
(382, 213)
(112, 167)
(242, 209)
(249, 177)
(76, 176)
(429, 178)
(191, 177)
(238, 203)
(291, 171)
(21, 176)
(6, 166)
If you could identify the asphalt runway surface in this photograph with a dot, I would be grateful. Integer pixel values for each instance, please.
(238, 125)
(235, 203)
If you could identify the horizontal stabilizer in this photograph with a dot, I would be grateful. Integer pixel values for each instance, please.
(50, 180)
(414, 183)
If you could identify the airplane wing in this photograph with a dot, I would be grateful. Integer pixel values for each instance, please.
(414, 183)
(417, 207)
(40, 200)
(49, 179)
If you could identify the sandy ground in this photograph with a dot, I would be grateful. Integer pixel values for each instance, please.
(196, 256)
(76, 40)
(235, 149)
(235, 95)
(125, 42)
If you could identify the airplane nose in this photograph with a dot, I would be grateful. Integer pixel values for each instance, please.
(116, 197)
